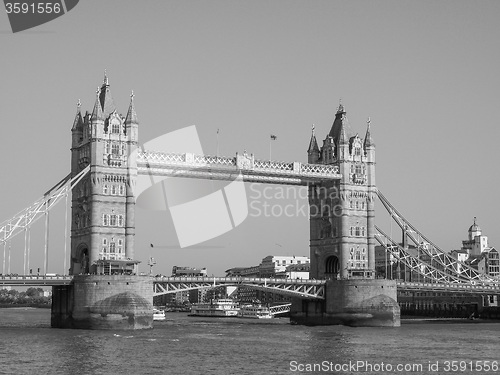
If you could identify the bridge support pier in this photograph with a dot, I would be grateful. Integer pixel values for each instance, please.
(103, 302)
(354, 302)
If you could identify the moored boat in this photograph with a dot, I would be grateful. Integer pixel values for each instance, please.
(255, 312)
(158, 314)
(216, 308)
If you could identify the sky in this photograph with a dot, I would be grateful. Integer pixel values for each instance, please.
(426, 73)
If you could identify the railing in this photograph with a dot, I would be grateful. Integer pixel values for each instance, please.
(449, 287)
(191, 165)
(35, 280)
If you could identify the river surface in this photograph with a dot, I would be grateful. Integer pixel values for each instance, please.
(194, 345)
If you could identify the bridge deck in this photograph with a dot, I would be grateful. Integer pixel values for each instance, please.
(225, 168)
(297, 287)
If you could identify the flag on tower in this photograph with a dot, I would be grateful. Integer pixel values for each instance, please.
(274, 137)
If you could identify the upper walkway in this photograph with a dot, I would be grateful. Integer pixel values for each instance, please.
(227, 168)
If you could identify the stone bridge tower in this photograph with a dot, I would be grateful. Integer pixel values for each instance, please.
(103, 218)
(342, 212)
(106, 292)
(342, 236)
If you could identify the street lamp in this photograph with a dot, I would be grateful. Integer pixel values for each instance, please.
(151, 263)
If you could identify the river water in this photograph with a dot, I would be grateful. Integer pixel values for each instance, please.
(189, 345)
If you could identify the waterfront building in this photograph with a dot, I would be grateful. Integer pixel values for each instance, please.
(191, 296)
(271, 266)
(275, 265)
(477, 243)
(298, 271)
(188, 271)
(477, 253)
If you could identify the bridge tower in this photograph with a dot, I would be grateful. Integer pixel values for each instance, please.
(342, 212)
(342, 242)
(106, 292)
(103, 206)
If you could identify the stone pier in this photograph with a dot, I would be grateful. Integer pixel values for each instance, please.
(104, 302)
(355, 302)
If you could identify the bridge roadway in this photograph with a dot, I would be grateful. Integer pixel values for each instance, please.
(302, 288)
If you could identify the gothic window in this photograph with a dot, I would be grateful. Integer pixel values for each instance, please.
(122, 190)
(105, 220)
(352, 231)
(112, 247)
(104, 241)
(358, 151)
(115, 149)
(359, 169)
(357, 205)
(362, 205)
(115, 128)
(113, 189)
(120, 220)
(358, 231)
(105, 189)
(107, 148)
(112, 221)
(122, 152)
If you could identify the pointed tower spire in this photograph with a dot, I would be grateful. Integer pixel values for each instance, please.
(342, 136)
(339, 123)
(97, 111)
(368, 137)
(107, 103)
(131, 114)
(78, 123)
(313, 143)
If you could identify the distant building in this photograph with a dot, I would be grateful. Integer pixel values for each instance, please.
(188, 271)
(191, 296)
(272, 266)
(298, 271)
(477, 253)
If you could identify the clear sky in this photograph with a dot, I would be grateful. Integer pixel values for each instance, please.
(426, 72)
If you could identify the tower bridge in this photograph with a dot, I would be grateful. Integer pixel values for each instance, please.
(103, 291)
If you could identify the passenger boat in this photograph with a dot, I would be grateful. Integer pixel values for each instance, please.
(158, 314)
(255, 312)
(216, 308)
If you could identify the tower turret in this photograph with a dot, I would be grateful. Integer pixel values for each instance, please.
(313, 150)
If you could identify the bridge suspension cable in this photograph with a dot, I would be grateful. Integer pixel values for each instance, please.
(442, 265)
(23, 220)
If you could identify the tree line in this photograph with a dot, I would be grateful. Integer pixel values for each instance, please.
(32, 296)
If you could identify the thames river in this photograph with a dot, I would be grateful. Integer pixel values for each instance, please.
(188, 345)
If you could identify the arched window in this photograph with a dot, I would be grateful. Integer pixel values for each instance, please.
(115, 128)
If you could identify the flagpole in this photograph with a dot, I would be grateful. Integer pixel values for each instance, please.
(272, 138)
(270, 143)
(217, 152)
